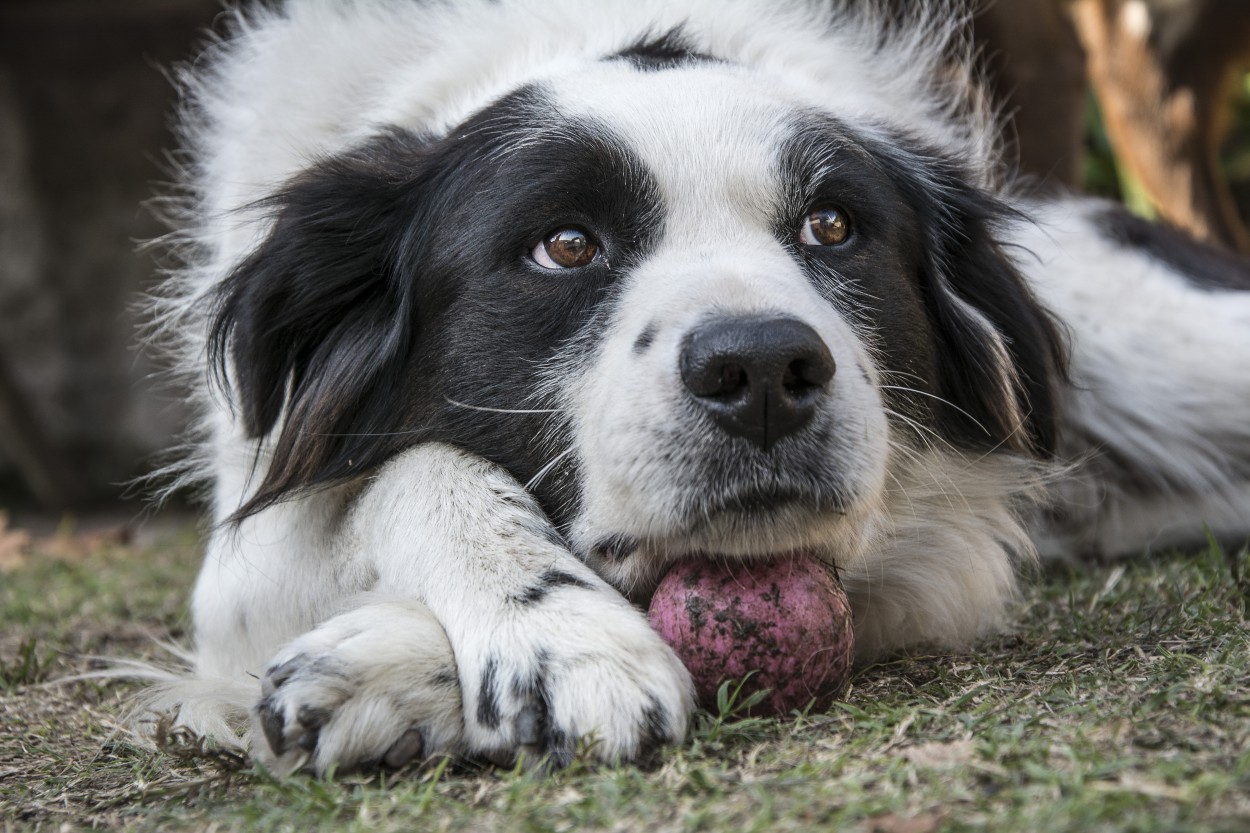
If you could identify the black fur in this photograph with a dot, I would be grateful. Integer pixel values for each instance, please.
(657, 721)
(922, 239)
(487, 697)
(667, 51)
(311, 719)
(617, 548)
(548, 581)
(535, 727)
(273, 724)
(1206, 266)
(394, 299)
(645, 339)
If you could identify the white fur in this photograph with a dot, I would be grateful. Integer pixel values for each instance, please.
(372, 674)
(1159, 383)
(352, 600)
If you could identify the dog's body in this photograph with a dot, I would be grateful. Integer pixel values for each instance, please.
(514, 304)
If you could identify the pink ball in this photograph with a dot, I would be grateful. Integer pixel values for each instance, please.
(788, 620)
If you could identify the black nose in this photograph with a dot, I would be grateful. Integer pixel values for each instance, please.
(759, 378)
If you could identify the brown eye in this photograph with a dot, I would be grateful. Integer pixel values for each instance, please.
(566, 248)
(824, 227)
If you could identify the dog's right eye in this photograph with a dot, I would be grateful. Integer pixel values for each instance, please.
(825, 226)
(566, 248)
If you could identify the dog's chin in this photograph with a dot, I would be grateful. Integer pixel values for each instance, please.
(741, 526)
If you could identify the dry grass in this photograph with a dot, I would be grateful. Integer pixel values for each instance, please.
(1122, 702)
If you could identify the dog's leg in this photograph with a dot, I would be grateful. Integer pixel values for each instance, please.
(545, 652)
(286, 627)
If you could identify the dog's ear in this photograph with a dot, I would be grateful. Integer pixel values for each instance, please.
(312, 330)
(1001, 355)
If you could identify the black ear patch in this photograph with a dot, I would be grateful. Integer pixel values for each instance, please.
(394, 300)
(314, 327)
(1001, 355)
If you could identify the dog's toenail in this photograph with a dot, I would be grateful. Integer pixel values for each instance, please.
(409, 746)
(528, 726)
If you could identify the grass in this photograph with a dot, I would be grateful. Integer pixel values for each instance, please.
(1121, 701)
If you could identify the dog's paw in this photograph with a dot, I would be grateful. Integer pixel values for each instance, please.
(581, 669)
(373, 687)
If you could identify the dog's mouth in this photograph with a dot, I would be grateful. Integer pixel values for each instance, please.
(745, 513)
(748, 525)
(755, 505)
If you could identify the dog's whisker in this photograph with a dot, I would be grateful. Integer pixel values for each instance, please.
(895, 373)
(931, 438)
(546, 469)
(943, 400)
(409, 433)
(944, 486)
(491, 410)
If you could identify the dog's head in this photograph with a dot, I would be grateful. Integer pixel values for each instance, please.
(691, 309)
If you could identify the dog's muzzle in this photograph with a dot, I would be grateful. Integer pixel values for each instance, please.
(759, 378)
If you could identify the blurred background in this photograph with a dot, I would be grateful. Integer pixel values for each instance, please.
(1142, 100)
(85, 109)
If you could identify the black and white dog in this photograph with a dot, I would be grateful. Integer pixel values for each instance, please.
(497, 309)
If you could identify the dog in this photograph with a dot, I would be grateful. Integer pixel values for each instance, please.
(496, 310)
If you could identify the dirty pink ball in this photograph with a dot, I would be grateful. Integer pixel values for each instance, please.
(788, 620)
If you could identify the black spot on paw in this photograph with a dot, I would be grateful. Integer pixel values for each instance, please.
(327, 666)
(276, 676)
(311, 719)
(654, 734)
(273, 724)
(537, 736)
(656, 723)
(487, 698)
(547, 582)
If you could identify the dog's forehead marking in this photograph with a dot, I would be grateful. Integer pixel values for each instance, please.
(713, 138)
(710, 134)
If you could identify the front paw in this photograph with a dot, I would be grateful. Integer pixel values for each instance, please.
(372, 687)
(583, 669)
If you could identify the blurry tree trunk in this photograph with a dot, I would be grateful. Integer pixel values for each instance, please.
(1164, 72)
(1037, 72)
(50, 477)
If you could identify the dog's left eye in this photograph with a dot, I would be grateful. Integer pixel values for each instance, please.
(825, 226)
(566, 248)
